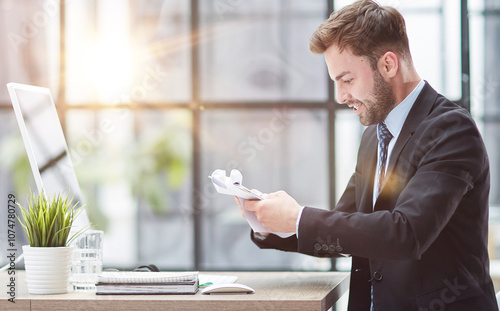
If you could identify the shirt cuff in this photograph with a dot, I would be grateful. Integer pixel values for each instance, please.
(298, 221)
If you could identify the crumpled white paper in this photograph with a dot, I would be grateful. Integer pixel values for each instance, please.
(232, 185)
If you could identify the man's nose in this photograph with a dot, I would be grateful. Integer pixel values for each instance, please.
(342, 95)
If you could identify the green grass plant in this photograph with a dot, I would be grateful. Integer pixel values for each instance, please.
(47, 221)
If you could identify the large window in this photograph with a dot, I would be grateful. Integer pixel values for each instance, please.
(184, 88)
(154, 95)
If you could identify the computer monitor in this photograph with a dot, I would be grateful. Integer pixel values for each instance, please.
(45, 144)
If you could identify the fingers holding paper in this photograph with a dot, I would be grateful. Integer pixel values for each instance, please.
(239, 202)
(278, 211)
(239, 205)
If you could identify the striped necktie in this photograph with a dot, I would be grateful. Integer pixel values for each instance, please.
(384, 138)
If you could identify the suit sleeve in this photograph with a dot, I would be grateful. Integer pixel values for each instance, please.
(346, 204)
(427, 188)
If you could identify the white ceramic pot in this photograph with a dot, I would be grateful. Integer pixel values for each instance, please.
(47, 269)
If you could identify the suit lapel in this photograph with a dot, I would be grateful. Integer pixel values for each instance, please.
(421, 108)
(369, 154)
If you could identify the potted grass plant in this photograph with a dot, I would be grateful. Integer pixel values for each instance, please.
(47, 223)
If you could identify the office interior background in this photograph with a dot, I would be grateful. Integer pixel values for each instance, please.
(154, 95)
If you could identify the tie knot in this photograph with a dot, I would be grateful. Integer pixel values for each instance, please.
(383, 132)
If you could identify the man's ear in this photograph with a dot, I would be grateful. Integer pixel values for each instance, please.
(388, 64)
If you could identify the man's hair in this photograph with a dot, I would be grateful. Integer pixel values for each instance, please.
(365, 27)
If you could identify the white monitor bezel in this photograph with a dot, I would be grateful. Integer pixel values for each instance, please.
(13, 87)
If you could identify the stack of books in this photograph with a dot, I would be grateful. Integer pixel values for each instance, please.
(147, 283)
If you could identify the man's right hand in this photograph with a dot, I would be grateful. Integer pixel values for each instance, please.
(243, 212)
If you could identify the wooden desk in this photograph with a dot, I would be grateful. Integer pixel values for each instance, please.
(273, 291)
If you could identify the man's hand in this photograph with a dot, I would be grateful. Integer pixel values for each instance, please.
(278, 211)
(265, 234)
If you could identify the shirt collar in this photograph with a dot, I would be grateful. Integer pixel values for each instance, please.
(397, 117)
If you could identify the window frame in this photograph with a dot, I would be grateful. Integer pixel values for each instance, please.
(197, 106)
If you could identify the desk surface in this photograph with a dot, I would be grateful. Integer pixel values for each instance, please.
(273, 291)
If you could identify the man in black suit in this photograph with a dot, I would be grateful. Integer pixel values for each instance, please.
(414, 215)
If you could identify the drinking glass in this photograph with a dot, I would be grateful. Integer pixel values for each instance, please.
(86, 261)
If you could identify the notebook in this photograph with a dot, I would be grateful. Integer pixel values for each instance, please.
(146, 283)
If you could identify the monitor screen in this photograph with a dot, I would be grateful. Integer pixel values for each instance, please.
(44, 142)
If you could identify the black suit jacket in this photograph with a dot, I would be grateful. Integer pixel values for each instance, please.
(423, 245)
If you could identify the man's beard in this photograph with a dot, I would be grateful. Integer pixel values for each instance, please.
(384, 101)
